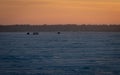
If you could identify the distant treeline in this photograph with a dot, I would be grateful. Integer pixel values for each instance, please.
(67, 27)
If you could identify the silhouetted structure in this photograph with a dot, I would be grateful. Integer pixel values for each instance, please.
(68, 27)
(58, 32)
(35, 33)
(28, 33)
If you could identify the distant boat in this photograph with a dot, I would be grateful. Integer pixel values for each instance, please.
(35, 33)
(28, 33)
(58, 33)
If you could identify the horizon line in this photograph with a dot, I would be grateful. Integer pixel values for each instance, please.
(55, 24)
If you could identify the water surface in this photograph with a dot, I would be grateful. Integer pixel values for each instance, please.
(68, 53)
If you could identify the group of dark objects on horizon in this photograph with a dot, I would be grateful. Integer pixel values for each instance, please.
(36, 33)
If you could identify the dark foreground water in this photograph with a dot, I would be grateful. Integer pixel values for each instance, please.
(70, 53)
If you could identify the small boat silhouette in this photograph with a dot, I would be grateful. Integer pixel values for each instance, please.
(28, 33)
(35, 33)
(58, 33)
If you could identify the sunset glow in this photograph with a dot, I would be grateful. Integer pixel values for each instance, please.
(59, 11)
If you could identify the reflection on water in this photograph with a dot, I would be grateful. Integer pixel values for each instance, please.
(70, 53)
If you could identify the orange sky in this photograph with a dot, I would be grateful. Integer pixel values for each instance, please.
(59, 11)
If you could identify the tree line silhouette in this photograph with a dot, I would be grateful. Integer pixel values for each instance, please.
(66, 27)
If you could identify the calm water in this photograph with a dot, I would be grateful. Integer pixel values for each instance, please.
(70, 53)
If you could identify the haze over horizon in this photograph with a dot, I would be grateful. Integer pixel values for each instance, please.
(59, 11)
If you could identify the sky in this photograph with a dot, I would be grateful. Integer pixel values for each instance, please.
(59, 11)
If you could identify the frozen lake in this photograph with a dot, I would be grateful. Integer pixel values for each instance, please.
(68, 53)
